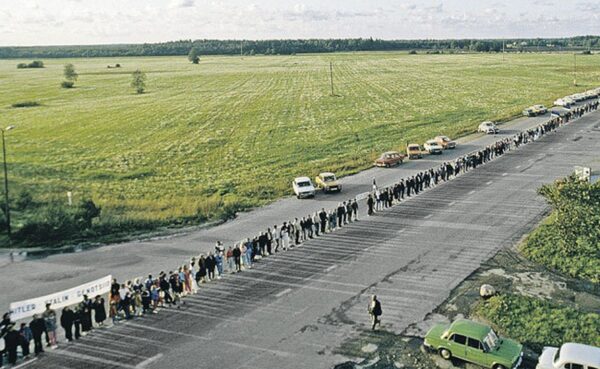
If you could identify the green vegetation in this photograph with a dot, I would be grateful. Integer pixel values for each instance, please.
(229, 134)
(569, 240)
(539, 323)
(138, 81)
(291, 47)
(70, 76)
(33, 64)
(193, 56)
(25, 104)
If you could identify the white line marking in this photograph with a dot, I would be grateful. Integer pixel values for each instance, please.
(331, 268)
(452, 203)
(25, 363)
(471, 192)
(518, 166)
(149, 360)
(235, 344)
(286, 291)
(427, 216)
(88, 359)
(504, 174)
(402, 231)
(489, 182)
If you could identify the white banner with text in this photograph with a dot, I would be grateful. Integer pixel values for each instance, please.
(26, 308)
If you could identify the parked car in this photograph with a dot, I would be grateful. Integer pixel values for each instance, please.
(539, 109)
(529, 112)
(488, 127)
(569, 356)
(433, 147)
(328, 182)
(414, 151)
(446, 142)
(559, 112)
(565, 102)
(303, 187)
(476, 343)
(390, 159)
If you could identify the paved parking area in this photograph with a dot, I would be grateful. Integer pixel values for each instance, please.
(293, 309)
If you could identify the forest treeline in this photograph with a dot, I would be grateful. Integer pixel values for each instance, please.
(287, 47)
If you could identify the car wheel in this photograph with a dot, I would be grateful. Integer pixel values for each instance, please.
(498, 366)
(446, 354)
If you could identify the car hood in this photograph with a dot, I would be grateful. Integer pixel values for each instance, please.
(436, 331)
(509, 349)
(546, 358)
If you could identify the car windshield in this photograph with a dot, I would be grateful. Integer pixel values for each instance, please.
(491, 340)
(329, 178)
(445, 139)
(303, 184)
(557, 356)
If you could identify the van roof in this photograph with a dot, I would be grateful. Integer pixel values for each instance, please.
(580, 354)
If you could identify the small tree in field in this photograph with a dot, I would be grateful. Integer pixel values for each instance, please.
(138, 81)
(193, 56)
(70, 76)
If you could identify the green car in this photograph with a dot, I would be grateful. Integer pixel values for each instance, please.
(476, 343)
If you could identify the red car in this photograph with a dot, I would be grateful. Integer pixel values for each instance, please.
(389, 159)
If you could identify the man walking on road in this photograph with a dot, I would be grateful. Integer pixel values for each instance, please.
(375, 311)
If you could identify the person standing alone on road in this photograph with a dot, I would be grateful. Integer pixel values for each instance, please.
(375, 311)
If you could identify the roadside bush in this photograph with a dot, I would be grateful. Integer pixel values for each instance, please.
(539, 323)
(569, 240)
(67, 84)
(413, 52)
(54, 223)
(24, 201)
(25, 104)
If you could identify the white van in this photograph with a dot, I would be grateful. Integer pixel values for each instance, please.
(570, 356)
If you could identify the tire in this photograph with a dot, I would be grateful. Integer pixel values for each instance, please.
(498, 366)
(446, 354)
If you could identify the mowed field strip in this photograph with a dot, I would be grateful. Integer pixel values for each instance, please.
(235, 131)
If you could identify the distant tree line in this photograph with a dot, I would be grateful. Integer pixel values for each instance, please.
(287, 47)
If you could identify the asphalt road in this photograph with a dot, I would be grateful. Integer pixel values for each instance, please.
(295, 308)
(39, 277)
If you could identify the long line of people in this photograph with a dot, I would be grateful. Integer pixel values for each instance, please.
(141, 296)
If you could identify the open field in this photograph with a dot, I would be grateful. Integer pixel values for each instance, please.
(235, 131)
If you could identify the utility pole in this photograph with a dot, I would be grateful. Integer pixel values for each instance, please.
(503, 42)
(6, 205)
(331, 77)
(242, 48)
(574, 69)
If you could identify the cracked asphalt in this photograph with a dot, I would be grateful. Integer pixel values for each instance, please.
(295, 308)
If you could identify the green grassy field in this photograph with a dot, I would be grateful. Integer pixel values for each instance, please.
(234, 131)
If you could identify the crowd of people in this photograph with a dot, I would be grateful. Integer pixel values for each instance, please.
(148, 295)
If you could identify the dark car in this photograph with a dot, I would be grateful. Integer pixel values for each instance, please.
(389, 159)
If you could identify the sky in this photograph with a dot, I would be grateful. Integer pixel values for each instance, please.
(75, 22)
